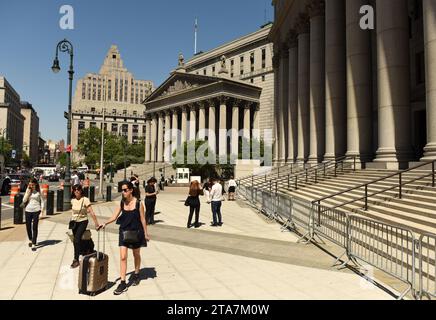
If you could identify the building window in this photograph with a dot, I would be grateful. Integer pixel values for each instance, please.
(213, 70)
(241, 66)
(92, 109)
(263, 58)
(204, 71)
(252, 80)
(83, 91)
(93, 125)
(252, 61)
(135, 113)
(232, 68)
(125, 129)
(420, 68)
(263, 78)
(124, 112)
(114, 127)
(109, 93)
(81, 125)
(114, 111)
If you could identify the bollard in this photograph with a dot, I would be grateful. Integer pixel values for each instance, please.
(18, 212)
(60, 201)
(108, 193)
(86, 192)
(92, 193)
(50, 203)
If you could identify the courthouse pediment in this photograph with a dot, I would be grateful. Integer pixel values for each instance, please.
(178, 83)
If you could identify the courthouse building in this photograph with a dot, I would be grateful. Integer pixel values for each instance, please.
(229, 87)
(342, 90)
(114, 94)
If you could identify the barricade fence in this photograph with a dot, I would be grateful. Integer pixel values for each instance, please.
(389, 248)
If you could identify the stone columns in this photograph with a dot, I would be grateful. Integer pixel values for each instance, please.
(223, 128)
(393, 84)
(293, 98)
(175, 130)
(147, 139)
(167, 137)
(192, 123)
(302, 29)
(359, 84)
(212, 136)
(184, 124)
(283, 96)
(336, 80)
(317, 81)
(256, 118)
(160, 138)
(201, 121)
(246, 128)
(429, 7)
(276, 64)
(153, 137)
(235, 128)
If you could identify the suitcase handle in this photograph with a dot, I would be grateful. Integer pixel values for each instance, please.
(98, 242)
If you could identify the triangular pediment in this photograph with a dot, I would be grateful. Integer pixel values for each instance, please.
(180, 82)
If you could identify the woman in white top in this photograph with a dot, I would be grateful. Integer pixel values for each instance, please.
(232, 189)
(34, 205)
(81, 206)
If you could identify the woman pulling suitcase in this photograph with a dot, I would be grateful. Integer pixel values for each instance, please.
(81, 206)
(133, 233)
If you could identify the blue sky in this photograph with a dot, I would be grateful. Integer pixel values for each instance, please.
(149, 34)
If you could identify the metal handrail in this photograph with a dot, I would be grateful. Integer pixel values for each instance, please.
(308, 172)
(365, 185)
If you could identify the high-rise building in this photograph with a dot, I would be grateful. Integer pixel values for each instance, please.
(31, 129)
(114, 92)
(11, 119)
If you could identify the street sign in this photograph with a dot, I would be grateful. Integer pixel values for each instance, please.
(13, 154)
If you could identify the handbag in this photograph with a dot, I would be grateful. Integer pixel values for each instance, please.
(131, 236)
(188, 201)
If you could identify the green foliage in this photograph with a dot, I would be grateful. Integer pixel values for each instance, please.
(90, 147)
(63, 159)
(5, 149)
(197, 156)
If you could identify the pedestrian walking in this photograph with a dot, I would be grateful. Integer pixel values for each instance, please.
(34, 205)
(81, 206)
(133, 233)
(215, 198)
(150, 200)
(75, 179)
(193, 201)
(232, 189)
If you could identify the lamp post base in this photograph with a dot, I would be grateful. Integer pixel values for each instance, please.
(67, 196)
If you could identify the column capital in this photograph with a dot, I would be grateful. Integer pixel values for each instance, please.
(302, 25)
(292, 39)
(167, 112)
(237, 102)
(223, 99)
(211, 102)
(316, 8)
(201, 104)
(247, 105)
(184, 108)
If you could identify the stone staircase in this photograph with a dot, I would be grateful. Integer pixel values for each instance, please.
(416, 209)
(145, 171)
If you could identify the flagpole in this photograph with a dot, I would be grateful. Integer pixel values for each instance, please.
(195, 37)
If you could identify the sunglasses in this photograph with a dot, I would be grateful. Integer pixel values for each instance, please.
(125, 190)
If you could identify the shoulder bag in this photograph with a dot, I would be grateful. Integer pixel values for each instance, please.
(73, 222)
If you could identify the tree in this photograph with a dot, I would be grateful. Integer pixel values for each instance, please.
(63, 159)
(197, 156)
(5, 149)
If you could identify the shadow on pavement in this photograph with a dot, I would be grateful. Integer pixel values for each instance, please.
(6, 228)
(47, 243)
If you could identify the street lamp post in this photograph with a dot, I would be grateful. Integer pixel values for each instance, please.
(121, 133)
(66, 46)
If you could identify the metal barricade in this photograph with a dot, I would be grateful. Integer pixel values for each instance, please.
(331, 224)
(427, 266)
(302, 217)
(268, 204)
(284, 211)
(383, 246)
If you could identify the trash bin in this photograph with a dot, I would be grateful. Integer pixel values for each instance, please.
(108, 193)
(50, 203)
(60, 201)
(92, 193)
(18, 212)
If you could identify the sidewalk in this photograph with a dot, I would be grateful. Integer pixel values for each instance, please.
(247, 258)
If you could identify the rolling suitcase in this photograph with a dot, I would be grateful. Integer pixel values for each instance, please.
(93, 272)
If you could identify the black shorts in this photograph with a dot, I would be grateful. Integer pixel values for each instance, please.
(232, 189)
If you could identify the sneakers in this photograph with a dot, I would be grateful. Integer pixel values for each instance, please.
(220, 224)
(33, 247)
(122, 287)
(135, 279)
(75, 264)
(30, 244)
(197, 225)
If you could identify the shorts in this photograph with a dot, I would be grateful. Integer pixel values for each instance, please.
(232, 189)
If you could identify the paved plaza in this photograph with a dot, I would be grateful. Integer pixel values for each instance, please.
(249, 257)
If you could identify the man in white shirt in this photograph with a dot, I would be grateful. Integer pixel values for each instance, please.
(75, 179)
(215, 198)
(232, 189)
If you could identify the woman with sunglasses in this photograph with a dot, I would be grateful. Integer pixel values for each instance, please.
(81, 206)
(131, 218)
(34, 205)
